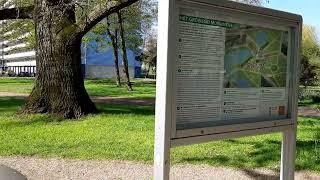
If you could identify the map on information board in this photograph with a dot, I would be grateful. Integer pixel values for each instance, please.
(255, 57)
(228, 72)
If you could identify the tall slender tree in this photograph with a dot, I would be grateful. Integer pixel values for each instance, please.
(59, 27)
(115, 46)
(124, 52)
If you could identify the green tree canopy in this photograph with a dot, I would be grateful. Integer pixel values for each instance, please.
(310, 57)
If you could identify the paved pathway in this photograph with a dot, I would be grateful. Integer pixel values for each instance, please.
(309, 112)
(51, 169)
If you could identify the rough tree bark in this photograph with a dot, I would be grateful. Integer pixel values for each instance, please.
(59, 86)
(114, 42)
(124, 52)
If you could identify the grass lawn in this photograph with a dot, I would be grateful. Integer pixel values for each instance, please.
(106, 87)
(126, 133)
(16, 85)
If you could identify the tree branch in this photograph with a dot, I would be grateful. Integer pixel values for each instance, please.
(17, 13)
(99, 13)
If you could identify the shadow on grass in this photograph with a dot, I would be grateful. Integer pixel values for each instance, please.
(13, 104)
(30, 120)
(214, 159)
(314, 121)
(266, 153)
(101, 81)
(126, 109)
(113, 81)
(137, 83)
(10, 106)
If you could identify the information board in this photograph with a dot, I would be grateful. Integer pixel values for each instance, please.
(228, 73)
(225, 70)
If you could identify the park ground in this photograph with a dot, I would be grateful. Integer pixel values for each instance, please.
(123, 132)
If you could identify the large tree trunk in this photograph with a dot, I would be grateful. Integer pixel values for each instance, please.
(59, 87)
(124, 52)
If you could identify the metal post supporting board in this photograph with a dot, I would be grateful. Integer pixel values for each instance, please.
(288, 154)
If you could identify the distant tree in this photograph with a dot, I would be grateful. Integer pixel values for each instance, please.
(149, 55)
(137, 20)
(310, 42)
(17, 31)
(113, 34)
(124, 51)
(310, 57)
(308, 75)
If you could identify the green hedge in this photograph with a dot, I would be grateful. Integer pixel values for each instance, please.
(309, 94)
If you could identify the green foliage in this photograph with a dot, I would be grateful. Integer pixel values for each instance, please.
(309, 96)
(17, 30)
(307, 93)
(124, 132)
(309, 72)
(23, 30)
(149, 56)
(16, 3)
(316, 98)
(310, 42)
(137, 21)
(310, 57)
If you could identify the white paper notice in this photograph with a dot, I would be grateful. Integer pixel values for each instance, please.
(274, 103)
(254, 103)
(241, 103)
(199, 72)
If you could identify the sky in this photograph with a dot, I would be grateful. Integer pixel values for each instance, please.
(309, 9)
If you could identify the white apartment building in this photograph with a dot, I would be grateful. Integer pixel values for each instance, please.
(15, 56)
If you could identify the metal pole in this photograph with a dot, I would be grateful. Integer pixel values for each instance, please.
(163, 99)
(288, 154)
(161, 152)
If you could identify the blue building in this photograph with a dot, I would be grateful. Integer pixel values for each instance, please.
(100, 63)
